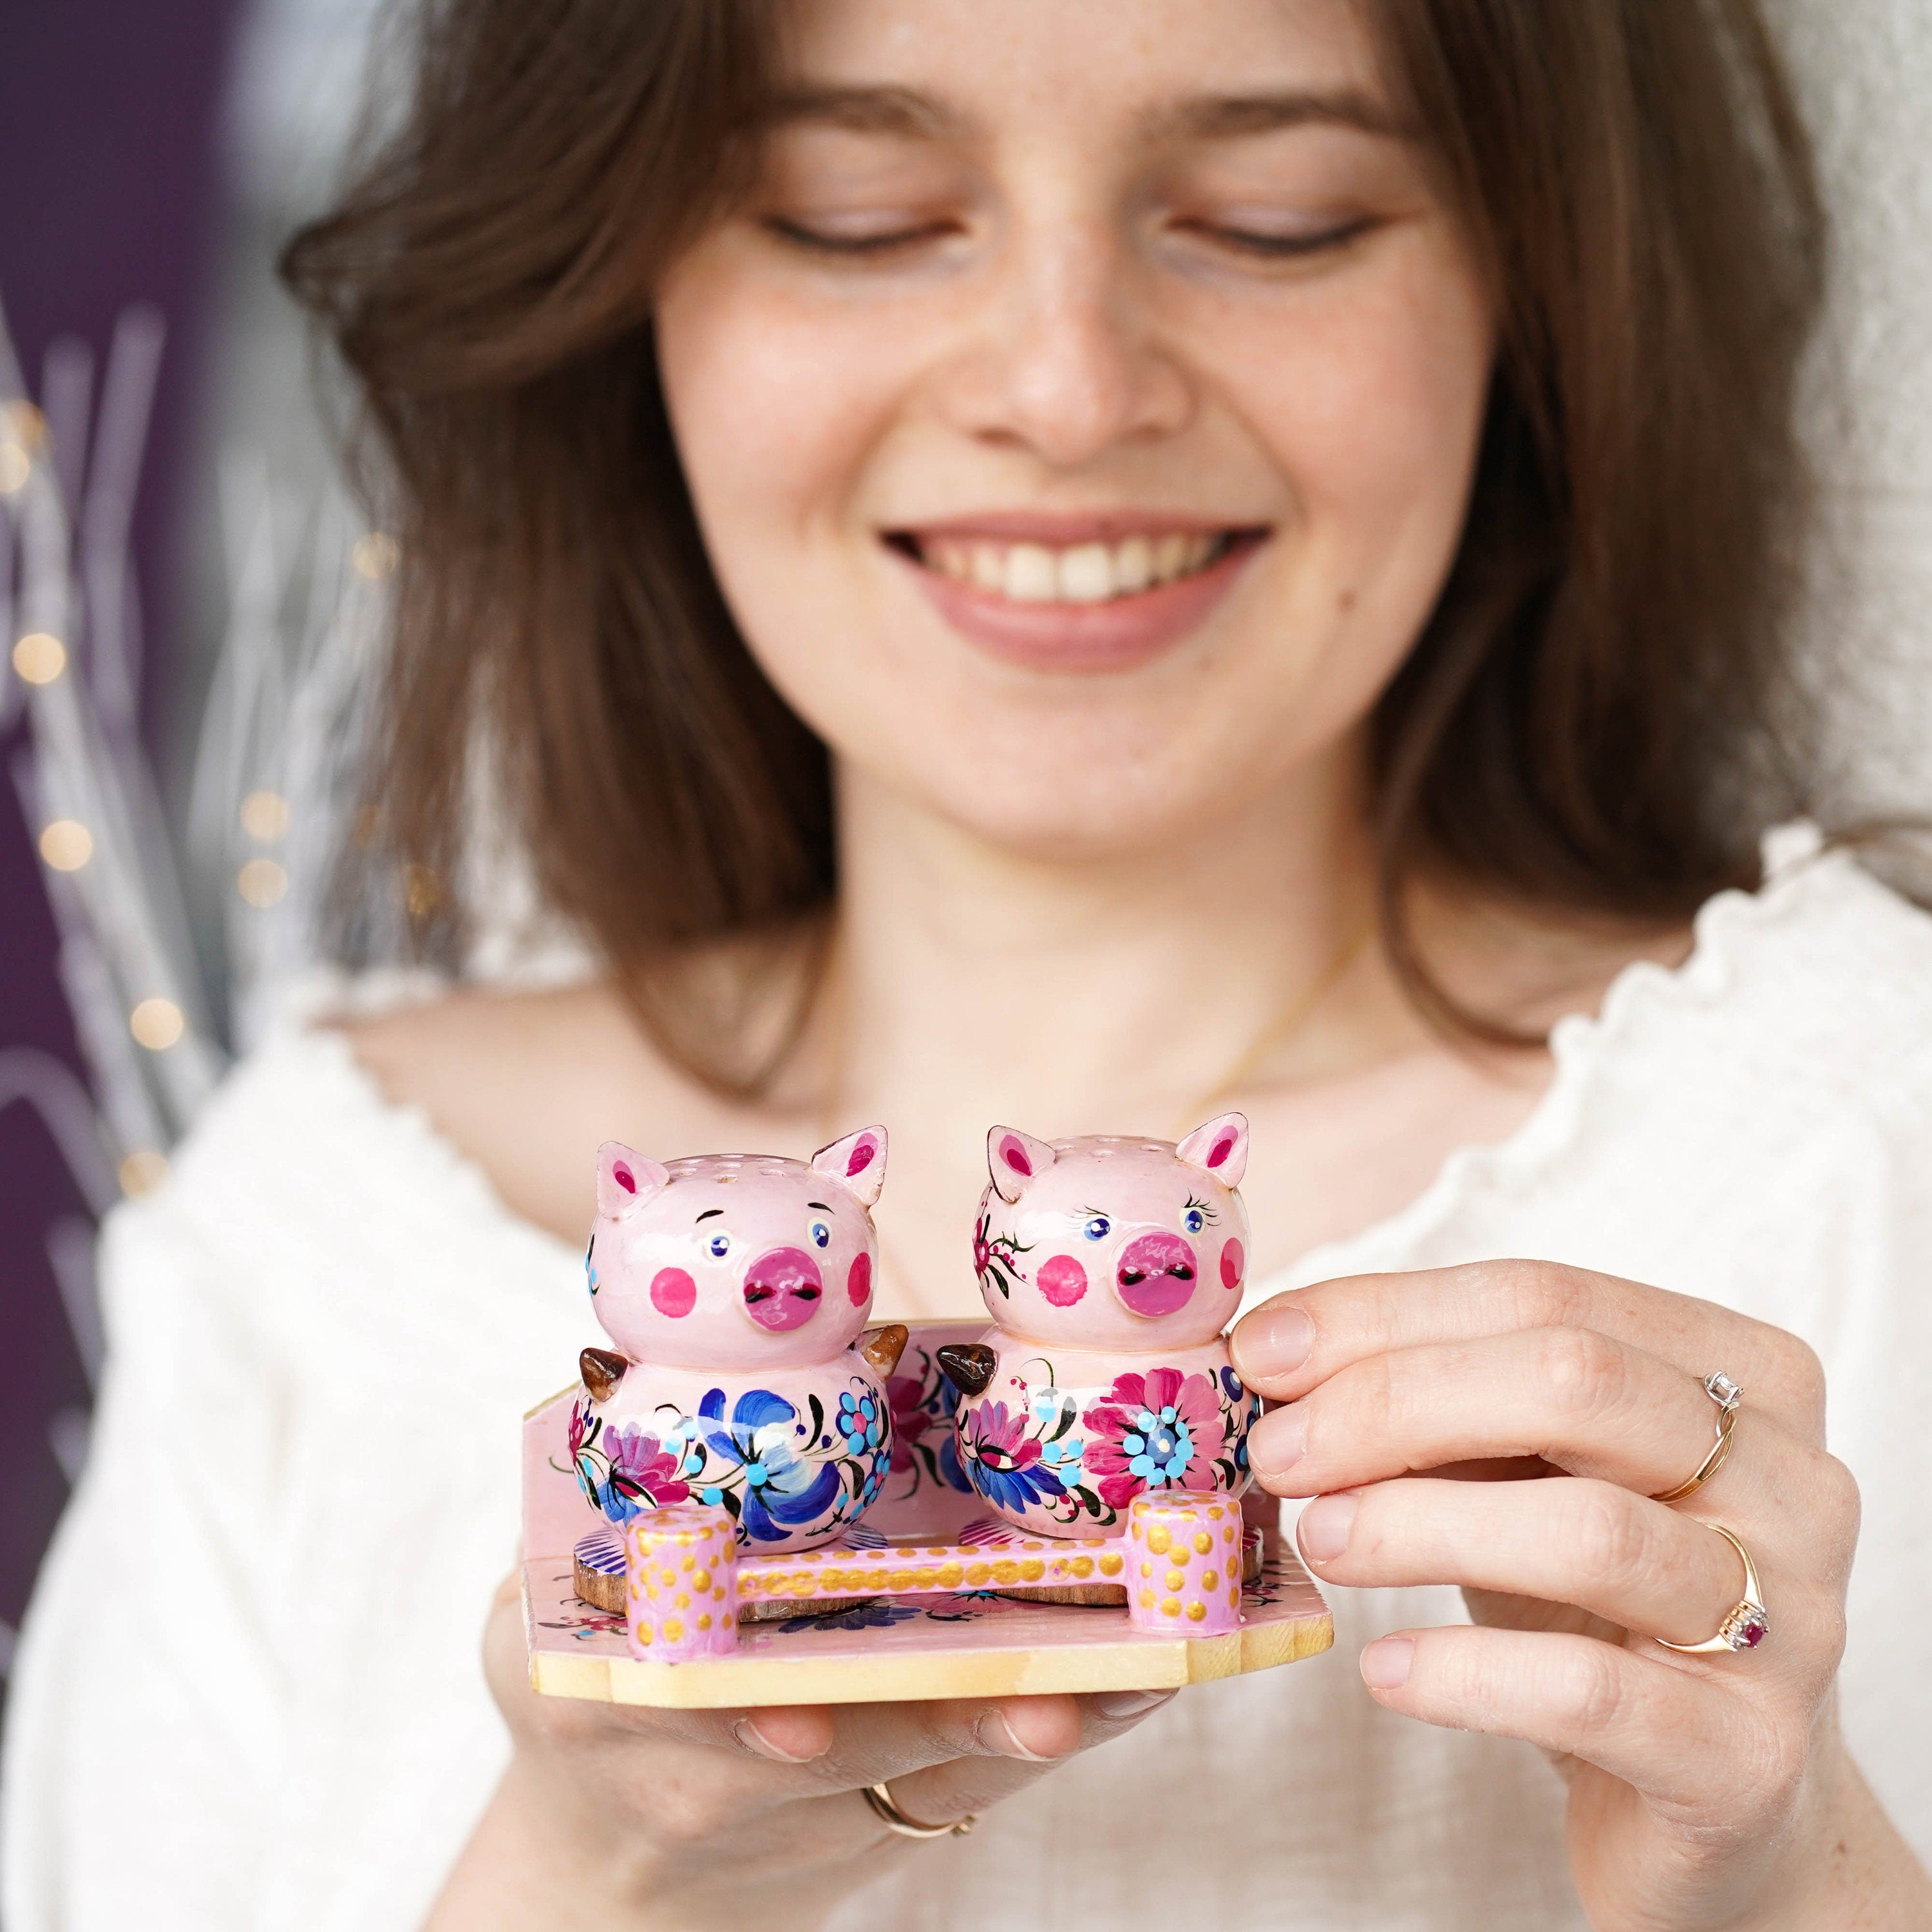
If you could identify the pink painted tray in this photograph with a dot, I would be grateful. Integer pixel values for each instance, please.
(977, 1643)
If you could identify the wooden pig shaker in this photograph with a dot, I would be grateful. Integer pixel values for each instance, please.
(1111, 1268)
(735, 1288)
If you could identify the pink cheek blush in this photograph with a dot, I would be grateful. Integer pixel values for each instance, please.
(1062, 1280)
(1232, 1258)
(673, 1292)
(859, 1282)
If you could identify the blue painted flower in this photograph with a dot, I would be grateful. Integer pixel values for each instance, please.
(1063, 1458)
(781, 1491)
(1003, 1461)
(1159, 1446)
(860, 1421)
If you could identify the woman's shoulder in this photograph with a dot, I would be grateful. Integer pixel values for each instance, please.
(333, 1132)
(1819, 984)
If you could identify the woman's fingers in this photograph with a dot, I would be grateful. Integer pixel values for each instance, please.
(945, 1792)
(1679, 1737)
(1288, 1345)
(1576, 1397)
(1618, 1555)
(875, 1743)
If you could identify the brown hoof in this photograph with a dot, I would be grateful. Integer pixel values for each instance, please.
(601, 1371)
(882, 1347)
(968, 1365)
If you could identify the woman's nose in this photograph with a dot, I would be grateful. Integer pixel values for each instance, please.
(1064, 364)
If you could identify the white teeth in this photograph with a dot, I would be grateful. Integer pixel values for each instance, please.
(1031, 576)
(1088, 573)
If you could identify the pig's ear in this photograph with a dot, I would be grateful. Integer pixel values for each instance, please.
(1013, 1158)
(1220, 1148)
(858, 1161)
(625, 1179)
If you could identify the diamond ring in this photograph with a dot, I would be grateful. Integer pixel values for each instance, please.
(1725, 1393)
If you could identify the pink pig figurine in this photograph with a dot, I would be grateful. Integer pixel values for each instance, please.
(735, 1288)
(1111, 1268)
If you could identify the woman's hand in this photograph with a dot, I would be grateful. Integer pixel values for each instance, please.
(623, 1816)
(1505, 1426)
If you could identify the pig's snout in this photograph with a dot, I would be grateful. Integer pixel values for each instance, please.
(1155, 1274)
(783, 1289)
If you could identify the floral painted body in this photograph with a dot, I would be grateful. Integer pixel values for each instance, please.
(1111, 1268)
(737, 1288)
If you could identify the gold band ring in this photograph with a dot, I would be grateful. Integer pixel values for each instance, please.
(888, 1814)
(1746, 1624)
(1725, 1393)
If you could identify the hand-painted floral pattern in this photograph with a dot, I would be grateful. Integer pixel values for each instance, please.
(1162, 1430)
(1082, 1466)
(996, 1257)
(779, 1473)
(922, 1399)
(625, 1469)
(1005, 1460)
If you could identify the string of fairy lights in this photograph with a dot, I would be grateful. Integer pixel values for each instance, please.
(267, 781)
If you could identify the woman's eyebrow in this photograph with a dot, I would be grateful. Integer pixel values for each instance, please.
(868, 110)
(1221, 117)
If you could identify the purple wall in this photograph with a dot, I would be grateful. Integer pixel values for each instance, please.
(108, 194)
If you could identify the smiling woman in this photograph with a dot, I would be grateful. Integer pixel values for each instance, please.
(1309, 287)
(1091, 563)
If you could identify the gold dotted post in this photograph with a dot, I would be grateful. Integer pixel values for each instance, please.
(1184, 1564)
(681, 1583)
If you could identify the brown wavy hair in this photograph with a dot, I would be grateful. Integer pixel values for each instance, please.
(1597, 720)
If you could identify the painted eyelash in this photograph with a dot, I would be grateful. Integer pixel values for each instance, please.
(1206, 1213)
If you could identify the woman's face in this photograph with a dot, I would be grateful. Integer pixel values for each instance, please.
(1080, 414)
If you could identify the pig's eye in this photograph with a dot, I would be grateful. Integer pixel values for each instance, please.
(1193, 1222)
(720, 1246)
(821, 1235)
(1097, 1228)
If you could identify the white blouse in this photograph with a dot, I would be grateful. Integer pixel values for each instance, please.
(248, 1694)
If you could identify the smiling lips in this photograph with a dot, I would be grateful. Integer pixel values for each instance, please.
(1087, 573)
(1092, 593)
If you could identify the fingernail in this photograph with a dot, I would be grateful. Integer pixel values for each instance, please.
(1116, 1706)
(1386, 1661)
(997, 1735)
(1276, 1444)
(1272, 1341)
(1323, 1531)
(746, 1731)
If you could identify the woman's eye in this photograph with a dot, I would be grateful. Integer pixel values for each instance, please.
(821, 1235)
(720, 1246)
(1097, 1228)
(1193, 1222)
(1277, 245)
(855, 241)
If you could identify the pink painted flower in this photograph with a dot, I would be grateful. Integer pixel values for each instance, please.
(1161, 1431)
(644, 1473)
(1003, 1459)
(909, 1419)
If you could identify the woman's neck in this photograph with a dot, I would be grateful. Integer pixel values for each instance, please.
(1073, 992)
